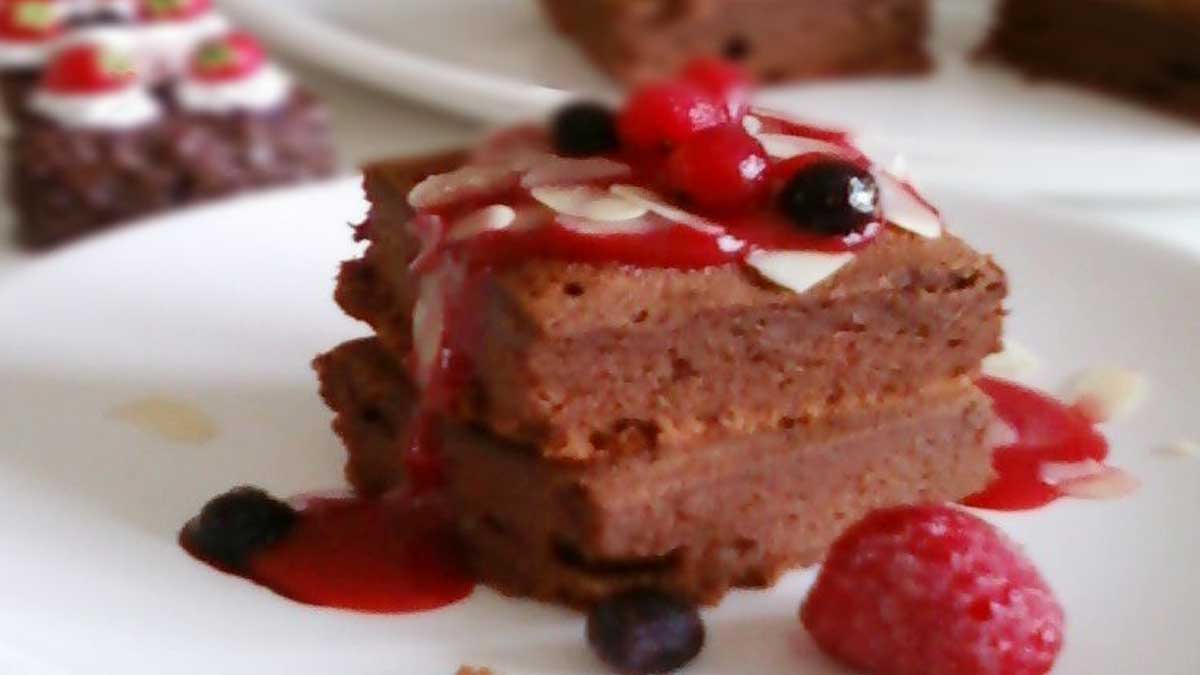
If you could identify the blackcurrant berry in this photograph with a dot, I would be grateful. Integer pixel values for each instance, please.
(233, 526)
(645, 632)
(583, 129)
(828, 195)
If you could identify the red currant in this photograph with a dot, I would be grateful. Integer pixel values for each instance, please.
(174, 10)
(722, 168)
(725, 81)
(664, 115)
(229, 57)
(89, 69)
(30, 20)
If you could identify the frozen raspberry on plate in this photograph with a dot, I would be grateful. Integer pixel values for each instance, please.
(664, 115)
(227, 58)
(29, 20)
(89, 69)
(933, 590)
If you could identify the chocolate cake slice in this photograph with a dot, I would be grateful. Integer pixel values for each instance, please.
(677, 346)
(729, 512)
(636, 40)
(1147, 50)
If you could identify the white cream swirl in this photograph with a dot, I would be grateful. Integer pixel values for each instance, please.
(128, 108)
(25, 54)
(266, 89)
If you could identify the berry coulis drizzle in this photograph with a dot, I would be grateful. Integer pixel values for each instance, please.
(1046, 430)
(392, 555)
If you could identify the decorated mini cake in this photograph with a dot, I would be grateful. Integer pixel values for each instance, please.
(172, 29)
(29, 32)
(100, 145)
(1146, 50)
(639, 40)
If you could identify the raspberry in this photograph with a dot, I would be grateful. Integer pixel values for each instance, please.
(89, 69)
(666, 114)
(724, 81)
(228, 58)
(722, 168)
(30, 20)
(933, 590)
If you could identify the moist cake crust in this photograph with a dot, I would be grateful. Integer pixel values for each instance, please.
(730, 512)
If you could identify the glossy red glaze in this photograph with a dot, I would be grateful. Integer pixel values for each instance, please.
(228, 58)
(1047, 431)
(88, 69)
(29, 20)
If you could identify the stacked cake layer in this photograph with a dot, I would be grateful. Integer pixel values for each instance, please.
(687, 429)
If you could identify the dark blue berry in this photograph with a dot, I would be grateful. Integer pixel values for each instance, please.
(235, 525)
(583, 129)
(645, 632)
(831, 196)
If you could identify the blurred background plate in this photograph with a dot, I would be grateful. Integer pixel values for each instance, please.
(971, 125)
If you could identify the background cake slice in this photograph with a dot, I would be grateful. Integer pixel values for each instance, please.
(1148, 50)
(636, 40)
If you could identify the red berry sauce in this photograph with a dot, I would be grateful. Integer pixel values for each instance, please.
(1047, 431)
(381, 556)
(89, 69)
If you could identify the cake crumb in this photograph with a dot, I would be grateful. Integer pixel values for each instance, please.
(1012, 362)
(1110, 483)
(1107, 393)
(474, 670)
(1182, 448)
(168, 419)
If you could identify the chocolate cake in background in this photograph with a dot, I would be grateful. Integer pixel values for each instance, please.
(776, 40)
(124, 109)
(1147, 50)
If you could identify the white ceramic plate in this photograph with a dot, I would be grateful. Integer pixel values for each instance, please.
(970, 125)
(223, 307)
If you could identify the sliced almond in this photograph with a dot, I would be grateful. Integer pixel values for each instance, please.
(1112, 483)
(1057, 473)
(1000, 434)
(428, 324)
(902, 208)
(587, 201)
(798, 271)
(786, 146)
(1014, 361)
(1106, 393)
(600, 228)
(487, 219)
(566, 170)
(464, 183)
(1183, 448)
(655, 204)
